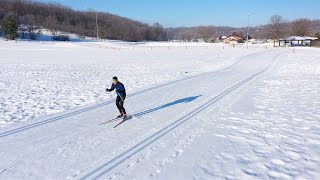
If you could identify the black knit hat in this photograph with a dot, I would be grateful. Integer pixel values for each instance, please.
(115, 78)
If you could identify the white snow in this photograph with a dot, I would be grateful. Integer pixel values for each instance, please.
(199, 111)
(45, 78)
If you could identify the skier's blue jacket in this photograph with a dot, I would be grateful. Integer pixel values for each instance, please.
(120, 89)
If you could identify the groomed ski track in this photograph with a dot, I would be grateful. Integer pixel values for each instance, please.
(62, 116)
(157, 112)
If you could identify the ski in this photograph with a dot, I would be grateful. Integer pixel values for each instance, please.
(124, 120)
(110, 121)
(119, 123)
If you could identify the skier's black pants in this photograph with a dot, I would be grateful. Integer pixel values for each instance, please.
(119, 103)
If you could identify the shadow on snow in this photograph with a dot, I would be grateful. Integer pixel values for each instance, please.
(180, 101)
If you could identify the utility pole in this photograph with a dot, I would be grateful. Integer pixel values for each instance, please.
(249, 14)
(97, 25)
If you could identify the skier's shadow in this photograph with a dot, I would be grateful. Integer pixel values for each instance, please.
(180, 101)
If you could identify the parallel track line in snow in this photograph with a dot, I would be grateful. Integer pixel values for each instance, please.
(63, 116)
(114, 162)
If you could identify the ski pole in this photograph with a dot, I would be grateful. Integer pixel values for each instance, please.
(120, 97)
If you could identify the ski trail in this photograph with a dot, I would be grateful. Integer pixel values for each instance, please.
(118, 160)
(79, 141)
(86, 109)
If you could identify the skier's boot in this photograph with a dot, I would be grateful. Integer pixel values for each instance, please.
(120, 116)
(125, 117)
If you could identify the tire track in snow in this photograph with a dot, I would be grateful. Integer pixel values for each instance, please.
(116, 161)
(76, 112)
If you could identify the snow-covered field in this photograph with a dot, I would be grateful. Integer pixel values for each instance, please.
(199, 111)
(268, 130)
(44, 78)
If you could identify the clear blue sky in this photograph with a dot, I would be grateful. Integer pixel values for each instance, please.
(173, 13)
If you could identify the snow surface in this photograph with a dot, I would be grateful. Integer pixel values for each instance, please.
(37, 79)
(198, 112)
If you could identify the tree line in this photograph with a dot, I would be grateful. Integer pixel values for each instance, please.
(30, 16)
(277, 27)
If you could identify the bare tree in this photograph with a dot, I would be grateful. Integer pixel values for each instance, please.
(301, 27)
(158, 32)
(206, 32)
(276, 28)
(52, 24)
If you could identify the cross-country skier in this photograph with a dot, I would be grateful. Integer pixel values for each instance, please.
(121, 96)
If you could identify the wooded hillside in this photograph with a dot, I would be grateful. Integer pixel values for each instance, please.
(57, 17)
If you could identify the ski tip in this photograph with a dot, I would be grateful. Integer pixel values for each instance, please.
(116, 125)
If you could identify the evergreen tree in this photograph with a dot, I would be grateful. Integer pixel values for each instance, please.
(9, 27)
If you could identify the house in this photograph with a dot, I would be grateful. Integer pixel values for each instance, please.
(233, 40)
(298, 40)
(220, 39)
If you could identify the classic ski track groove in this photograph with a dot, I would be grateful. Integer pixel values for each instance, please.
(76, 112)
(116, 161)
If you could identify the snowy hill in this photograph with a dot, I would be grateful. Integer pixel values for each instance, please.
(199, 111)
